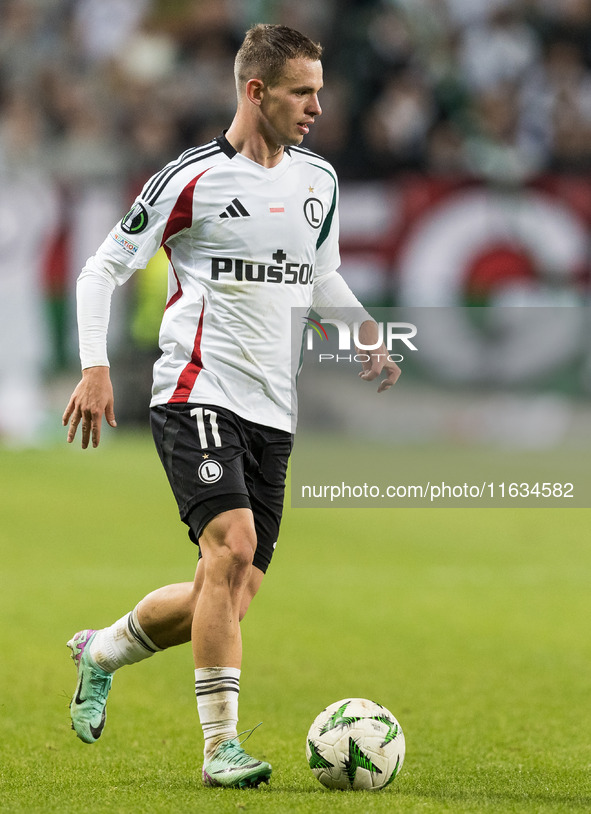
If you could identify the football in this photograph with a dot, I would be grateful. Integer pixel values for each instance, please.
(355, 744)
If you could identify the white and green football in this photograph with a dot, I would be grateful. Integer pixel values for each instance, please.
(355, 744)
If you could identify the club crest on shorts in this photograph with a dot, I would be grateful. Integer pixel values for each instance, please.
(210, 471)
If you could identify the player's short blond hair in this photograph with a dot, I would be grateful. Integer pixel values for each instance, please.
(266, 49)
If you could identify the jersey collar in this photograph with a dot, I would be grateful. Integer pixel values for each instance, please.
(227, 148)
(225, 145)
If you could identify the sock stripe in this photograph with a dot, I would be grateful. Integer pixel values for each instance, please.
(214, 692)
(137, 635)
(221, 687)
(231, 679)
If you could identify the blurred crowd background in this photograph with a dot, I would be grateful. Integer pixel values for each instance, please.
(96, 96)
(95, 90)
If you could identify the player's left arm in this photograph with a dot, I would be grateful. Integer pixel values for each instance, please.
(379, 361)
(332, 295)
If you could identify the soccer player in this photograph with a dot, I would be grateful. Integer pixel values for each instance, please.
(250, 225)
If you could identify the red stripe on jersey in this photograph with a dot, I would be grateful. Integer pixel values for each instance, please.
(181, 216)
(179, 291)
(187, 379)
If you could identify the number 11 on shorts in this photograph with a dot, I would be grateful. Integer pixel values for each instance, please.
(200, 415)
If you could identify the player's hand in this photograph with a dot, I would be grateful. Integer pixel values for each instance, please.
(379, 361)
(92, 398)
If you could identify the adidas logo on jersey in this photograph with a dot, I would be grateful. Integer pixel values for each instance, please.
(235, 210)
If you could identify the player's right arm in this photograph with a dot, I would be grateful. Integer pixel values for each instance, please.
(162, 211)
(93, 396)
(129, 246)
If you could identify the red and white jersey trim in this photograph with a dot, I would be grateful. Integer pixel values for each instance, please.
(245, 244)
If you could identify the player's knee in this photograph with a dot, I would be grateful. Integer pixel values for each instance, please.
(237, 552)
(230, 547)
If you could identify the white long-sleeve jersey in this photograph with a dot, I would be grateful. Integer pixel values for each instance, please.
(245, 245)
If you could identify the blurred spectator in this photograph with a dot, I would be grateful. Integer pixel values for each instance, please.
(495, 151)
(103, 29)
(390, 39)
(497, 50)
(89, 164)
(556, 106)
(399, 120)
(331, 136)
(563, 19)
(315, 18)
(28, 216)
(21, 41)
(445, 150)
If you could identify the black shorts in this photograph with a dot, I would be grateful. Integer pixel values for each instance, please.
(216, 461)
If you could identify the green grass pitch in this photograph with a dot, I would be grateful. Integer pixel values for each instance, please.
(472, 626)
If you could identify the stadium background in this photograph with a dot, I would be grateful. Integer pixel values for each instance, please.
(461, 131)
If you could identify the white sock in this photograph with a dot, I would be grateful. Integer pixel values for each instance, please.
(124, 642)
(217, 691)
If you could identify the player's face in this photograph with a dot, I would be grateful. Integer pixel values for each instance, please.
(289, 108)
